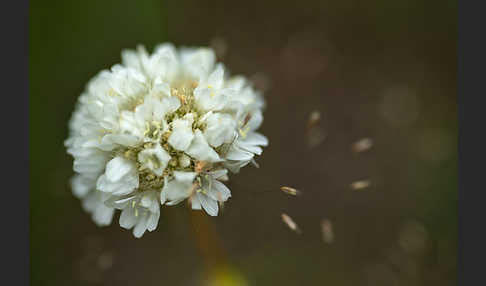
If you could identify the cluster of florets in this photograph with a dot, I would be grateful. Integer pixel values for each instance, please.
(159, 129)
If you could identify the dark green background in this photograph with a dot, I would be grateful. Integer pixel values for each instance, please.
(383, 69)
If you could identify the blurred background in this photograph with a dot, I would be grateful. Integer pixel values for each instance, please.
(383, 70)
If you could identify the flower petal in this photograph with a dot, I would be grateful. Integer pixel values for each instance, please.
(140, 227)
(117, 168)
(127, 218)
(201, 150)
(181, 135)
(208, 204)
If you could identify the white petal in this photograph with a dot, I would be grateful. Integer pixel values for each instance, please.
(175, 202)
(255, 121)
(197, 62)
(155, 159)
(127, 218)
(200, 149)
(153, 221)
(210, 98)
(184, 176)
(81, 185)
(103, 215)
(127, 81)
(146, 201)
(208, 204)
(220, 129)
(195, 203)
(224, 192)
(121, 187)
(218, 173)
(140, 227)
(117, 168)
(119, 139)
(163, 192)
(250, 148)
(235, 166)
(181, 135)
(128, 123)
(216, 78)
(176, 191)
(130, 58)
(236, 82)
(255, 138)
(237, 154)
(161, 87)
(95, 163)
(116, 202)
(170, 104)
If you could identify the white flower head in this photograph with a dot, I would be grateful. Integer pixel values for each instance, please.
(158, 129)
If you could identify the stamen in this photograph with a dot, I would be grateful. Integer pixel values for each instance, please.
(244, 132)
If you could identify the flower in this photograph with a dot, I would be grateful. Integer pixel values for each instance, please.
(158, 129)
